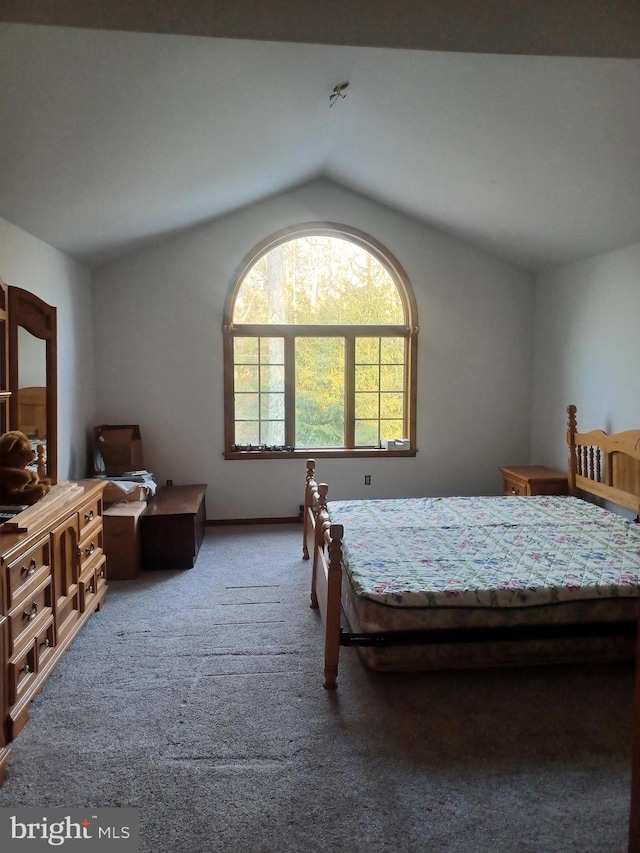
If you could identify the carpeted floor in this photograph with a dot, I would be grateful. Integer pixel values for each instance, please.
(197, 697)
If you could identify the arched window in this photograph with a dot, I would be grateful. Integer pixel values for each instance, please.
(320, 336)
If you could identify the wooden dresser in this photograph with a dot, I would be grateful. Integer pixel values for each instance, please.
(533, 480)
(4, 749)
(52, 579)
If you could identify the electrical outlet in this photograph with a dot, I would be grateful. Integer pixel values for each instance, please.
(367, 479)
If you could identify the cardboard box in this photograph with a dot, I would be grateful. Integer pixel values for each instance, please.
(120, 447)
(114, 494)
(121, 539)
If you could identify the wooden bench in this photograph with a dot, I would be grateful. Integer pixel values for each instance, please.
(172, 527)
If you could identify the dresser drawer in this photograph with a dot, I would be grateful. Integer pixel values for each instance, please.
(88, 591)
(21, 672)
(45, 644)
(26, 619)
(90, 516)
(90, 547)
(26, 573)
(25, 664)
(101, 573)
(67, 613)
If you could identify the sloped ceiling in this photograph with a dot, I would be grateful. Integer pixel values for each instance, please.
(114, 138)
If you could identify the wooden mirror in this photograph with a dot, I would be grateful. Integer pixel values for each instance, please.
(33, 372)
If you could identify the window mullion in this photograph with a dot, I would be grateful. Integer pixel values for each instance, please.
(379, 390)
(290, 390)
(349, 391)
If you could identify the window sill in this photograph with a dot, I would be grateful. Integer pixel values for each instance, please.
(317, 453)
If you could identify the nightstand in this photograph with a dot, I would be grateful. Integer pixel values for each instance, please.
(533, 480)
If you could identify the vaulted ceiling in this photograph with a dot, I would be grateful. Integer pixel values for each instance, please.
(112, 138)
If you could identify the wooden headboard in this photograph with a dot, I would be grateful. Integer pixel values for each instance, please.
(607, 466)
(32, 411)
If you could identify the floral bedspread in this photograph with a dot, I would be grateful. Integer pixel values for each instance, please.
(487, 551)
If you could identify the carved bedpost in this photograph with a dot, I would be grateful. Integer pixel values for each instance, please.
(311, 470)
(41, 461)
(572, 427)
(321, 524)
(308, 500)
(334, 607)
(323, 491)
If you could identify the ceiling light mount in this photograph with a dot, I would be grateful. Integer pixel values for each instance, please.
(338, 92)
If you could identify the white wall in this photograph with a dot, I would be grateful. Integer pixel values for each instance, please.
(158, 317)
(33, 265)
(158, 321)
(587, 350)
(32, 363)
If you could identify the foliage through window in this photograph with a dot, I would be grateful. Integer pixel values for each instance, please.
(320, 338)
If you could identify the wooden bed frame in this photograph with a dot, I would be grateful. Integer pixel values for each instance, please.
(32, 420)
(605, 467)
(32, 411)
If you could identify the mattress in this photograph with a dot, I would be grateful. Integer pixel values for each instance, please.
(484, 562)
(487, 552)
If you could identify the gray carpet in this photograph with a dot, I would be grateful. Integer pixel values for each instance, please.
(197, 697)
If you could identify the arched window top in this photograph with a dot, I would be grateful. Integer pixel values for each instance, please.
(320, 346)
(321, 275)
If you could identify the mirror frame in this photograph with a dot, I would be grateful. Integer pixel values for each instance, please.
(5, 394)
(40, 319)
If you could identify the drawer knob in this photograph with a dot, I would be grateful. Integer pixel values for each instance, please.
(88, 516)
(89, 550)
(25, 668)
(91, 589)
(30, 615)
(514, 491)
(45, 643)
(30, 569)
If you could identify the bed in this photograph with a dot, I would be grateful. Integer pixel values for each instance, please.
(32, 420)
(32, 411)
(459, 582)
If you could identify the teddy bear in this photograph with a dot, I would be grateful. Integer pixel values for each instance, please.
(18, 484)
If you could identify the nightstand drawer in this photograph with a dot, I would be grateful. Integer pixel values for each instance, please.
(549, 487)
(514, 487)
(526, 480)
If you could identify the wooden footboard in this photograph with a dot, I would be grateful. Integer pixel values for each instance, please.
(322, 541)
